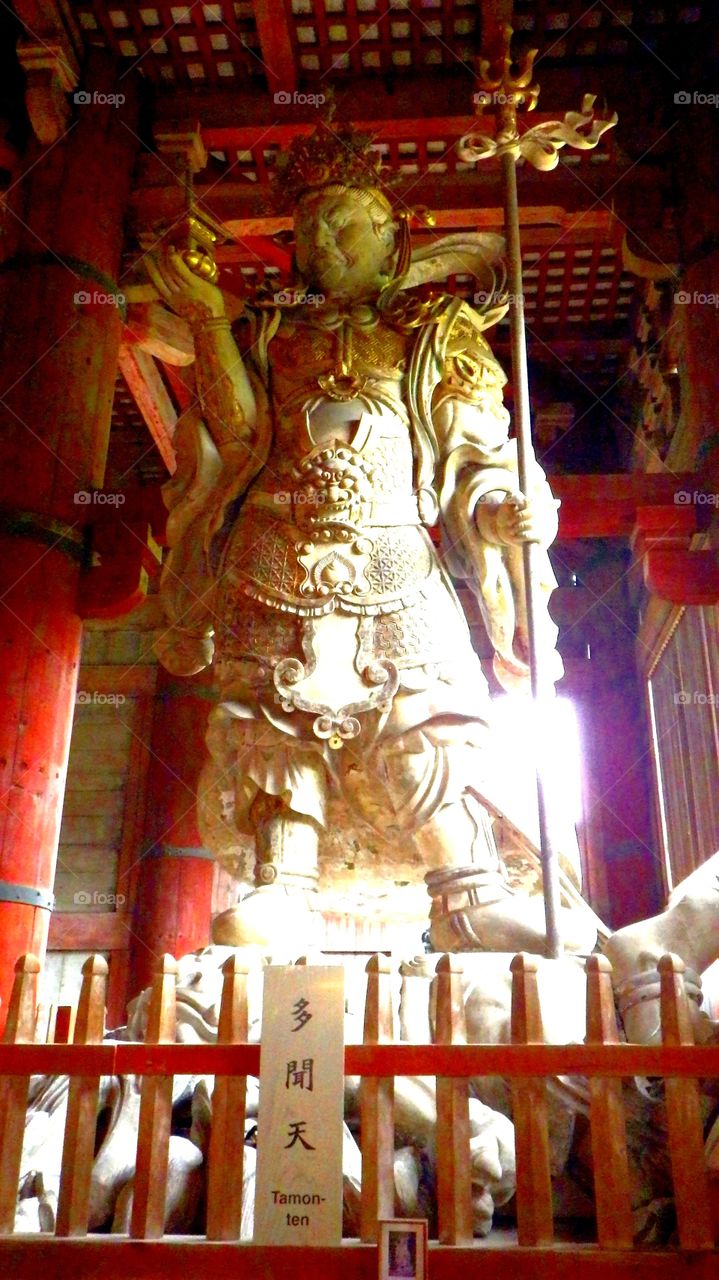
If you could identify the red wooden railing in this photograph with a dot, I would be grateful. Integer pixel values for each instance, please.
(527, 1063)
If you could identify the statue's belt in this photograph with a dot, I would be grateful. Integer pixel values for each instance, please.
(398, 511)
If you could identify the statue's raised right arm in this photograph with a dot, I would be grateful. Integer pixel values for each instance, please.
(220, 445)
(227, 397)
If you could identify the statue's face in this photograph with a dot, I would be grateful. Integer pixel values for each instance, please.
(339, 250)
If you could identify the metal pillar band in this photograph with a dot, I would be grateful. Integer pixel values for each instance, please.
(26, 895)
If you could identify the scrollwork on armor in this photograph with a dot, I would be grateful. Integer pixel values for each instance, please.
(336, 727)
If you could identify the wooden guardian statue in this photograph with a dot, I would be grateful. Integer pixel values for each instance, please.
(360, 414)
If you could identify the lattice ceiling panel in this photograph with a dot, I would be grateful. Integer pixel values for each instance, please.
(404, 154)
(380, 36)
(569, 30)
(196, 43)
(132, 450)
(217, 44)
(571, 291)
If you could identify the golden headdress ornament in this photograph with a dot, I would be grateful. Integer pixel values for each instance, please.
(332, 156)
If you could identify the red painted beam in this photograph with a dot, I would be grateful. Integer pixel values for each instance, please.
(682, 577)
(89, 931)
(606, 506)
(119, 582)
(451, 1061)
(278, 56)
(96, 1257)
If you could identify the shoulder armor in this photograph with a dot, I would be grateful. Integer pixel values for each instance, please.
(468, 366)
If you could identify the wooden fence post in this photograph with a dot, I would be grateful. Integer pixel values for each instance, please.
(612, 1191)
(454, 1169)
(19, 1029)
(684, 1119)
(80, 1126)
(535, 1224)
(63, 1027)
(377, 1105)
(227, 1136)
(148, 1201)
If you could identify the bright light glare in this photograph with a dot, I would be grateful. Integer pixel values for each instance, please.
(558, 750)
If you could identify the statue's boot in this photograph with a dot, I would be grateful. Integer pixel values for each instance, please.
(475, 910)
(279, 915)
(687, 928)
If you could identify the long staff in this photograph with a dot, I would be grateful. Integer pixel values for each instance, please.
(508, 90)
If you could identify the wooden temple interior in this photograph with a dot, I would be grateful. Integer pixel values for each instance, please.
(109, 109)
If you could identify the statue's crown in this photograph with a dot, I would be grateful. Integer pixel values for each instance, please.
(334, 155)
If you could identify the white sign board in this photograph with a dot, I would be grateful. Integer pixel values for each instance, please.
(298, 1197)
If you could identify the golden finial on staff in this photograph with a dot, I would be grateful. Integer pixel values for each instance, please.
(505, 85)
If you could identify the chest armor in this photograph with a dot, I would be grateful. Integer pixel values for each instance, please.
(330, 584)
(333, 521)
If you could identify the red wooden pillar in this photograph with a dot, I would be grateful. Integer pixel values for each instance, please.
(58, 357)
(173, 899)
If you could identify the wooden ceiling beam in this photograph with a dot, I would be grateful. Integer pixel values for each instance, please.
(156, 330)
(564, 229)
(373, 101)
(89, 931)
(245, 207)
(49, 51)
(146, 386)
(609, 506)
(276, 47)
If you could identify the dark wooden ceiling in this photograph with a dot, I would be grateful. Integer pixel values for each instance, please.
(224, 44)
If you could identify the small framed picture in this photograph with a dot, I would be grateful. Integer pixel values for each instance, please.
(403, 1249)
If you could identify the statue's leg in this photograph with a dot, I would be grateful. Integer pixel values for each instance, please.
(279, 794)
(473, 907)
(688, 927)
(279, 914)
